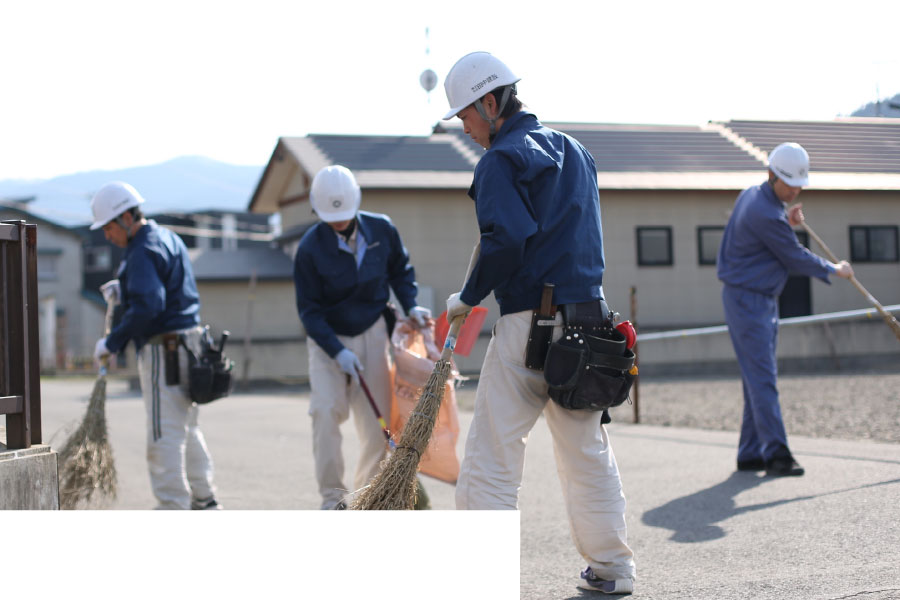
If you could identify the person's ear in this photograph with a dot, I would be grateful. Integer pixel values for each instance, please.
(490, 105)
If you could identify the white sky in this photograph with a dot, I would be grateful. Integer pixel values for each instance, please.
(100, 85)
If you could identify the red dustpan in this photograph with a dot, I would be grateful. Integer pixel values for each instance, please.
(467, 335)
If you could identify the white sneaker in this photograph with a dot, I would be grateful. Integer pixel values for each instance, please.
(589, 581)
(205, 504)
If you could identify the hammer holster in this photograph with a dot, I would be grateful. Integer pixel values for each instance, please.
(170, 343)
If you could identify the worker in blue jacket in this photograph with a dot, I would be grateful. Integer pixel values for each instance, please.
(344, 270)
(155, 286)
(758, 251)
(537, 206)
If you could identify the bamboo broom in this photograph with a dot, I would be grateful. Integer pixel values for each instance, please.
(86, 460)
(888, 317)
(394, 488)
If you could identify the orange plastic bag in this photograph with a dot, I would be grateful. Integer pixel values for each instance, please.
(415, 355)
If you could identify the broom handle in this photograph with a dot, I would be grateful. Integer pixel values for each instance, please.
(888, 317)
(107, 327)
(457, 323)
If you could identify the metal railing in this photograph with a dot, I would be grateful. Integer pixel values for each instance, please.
(20, 386)
(847, 315)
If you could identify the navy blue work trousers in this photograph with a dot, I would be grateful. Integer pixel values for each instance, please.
(752, 320)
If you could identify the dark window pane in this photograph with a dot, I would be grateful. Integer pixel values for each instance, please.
(710, 238)
(654, 246)
(883, 244)
(858, 246)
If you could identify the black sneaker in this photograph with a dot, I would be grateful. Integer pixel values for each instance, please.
(754, 464)
(783, 466)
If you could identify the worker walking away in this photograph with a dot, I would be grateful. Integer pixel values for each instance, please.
(344, 270)
(161, 317)
(759, 250)
(537, 206)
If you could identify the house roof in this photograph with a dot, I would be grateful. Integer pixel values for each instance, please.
(845, 154)
(650, 148)
(840, 146)
(237, 265)
(18, 209)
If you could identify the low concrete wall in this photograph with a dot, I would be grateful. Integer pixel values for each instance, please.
(28, 478)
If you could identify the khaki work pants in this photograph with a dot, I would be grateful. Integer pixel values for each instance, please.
(509, 399)
(180, 464)
(332, 399)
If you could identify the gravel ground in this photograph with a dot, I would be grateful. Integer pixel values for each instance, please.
(853, 406)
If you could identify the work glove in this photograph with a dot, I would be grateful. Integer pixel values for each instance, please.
(419, 314)
(456, 307)
(100, 350)
(111, 291)
(349, 363)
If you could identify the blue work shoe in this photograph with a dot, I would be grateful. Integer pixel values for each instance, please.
(589, 581)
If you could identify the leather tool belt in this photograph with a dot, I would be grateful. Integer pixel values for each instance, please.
(589, 367)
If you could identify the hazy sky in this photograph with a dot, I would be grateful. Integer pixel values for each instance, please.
(100, 85)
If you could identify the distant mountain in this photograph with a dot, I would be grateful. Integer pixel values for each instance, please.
(884, 108)
(185, 184)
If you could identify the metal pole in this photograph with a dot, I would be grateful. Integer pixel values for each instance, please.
(249, 330)
(636, 387)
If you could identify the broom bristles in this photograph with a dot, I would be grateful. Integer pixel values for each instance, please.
(394, 488)
(86, 460)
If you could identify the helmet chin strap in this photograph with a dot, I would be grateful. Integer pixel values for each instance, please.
(503, 100)
(121, 223)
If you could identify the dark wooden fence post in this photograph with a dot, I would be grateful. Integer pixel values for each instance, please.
(20, 385)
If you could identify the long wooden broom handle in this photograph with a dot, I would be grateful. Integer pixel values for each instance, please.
(457, 323)
(107, 327)
(888, 317)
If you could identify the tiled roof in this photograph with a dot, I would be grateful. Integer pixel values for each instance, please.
(653, 148)
(385, 153)
(843, 146)
(659, 148)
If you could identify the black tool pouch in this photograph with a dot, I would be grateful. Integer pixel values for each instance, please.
(589, 367)
(210, 372)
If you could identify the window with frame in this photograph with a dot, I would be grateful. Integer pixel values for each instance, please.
(654, 246)
(874, 243)
(709, 238)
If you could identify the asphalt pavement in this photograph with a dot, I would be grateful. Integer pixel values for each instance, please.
(698, 528)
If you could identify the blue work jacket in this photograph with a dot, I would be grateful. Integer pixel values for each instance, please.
(759, 249)
(538, 210)
(337, 296)
(158, 291)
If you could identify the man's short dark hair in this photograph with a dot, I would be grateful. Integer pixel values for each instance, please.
(513, 104)
(136, 213)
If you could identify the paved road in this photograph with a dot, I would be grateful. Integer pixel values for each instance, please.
(699, 530)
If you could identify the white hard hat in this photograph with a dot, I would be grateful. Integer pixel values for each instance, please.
(473, 76)
(790, 163)
(334, 194)
(111, 201)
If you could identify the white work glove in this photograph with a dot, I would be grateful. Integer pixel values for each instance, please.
(419, 314)
(349, 363)
(111, 291)
(100, 350)
(456, 307)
